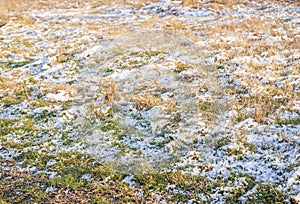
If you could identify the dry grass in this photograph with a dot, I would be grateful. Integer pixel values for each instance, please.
(247, 38)
(105, 98)
(24, 20)
(108, 90)
(10, 86)
(238, 30)
(55, 88)
(3, 13)
(262, 106)
(24, 187)
(146, 101)
(13, 92)
(224, 4)
(189, 2)
(19, 6)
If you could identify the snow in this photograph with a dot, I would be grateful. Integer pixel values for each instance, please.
(176, 128)
(61, 96)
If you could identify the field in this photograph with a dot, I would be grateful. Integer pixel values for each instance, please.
(149, 101)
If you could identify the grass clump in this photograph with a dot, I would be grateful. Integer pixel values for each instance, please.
(261, 193)
(267, 193)
(263, 106)
(146, 101)
(25, 20)
(23, 188)
(109, 125)
(221, 142)
(294, 121)
(158, 182)
(29, 158)
(293, 166)
(181, 67)
(147, 54)
(247, 182)
(13, 92)
(160, 144)
(20, 127)
(68, 185)
(189, 2)
(12, 64)
(235, 151)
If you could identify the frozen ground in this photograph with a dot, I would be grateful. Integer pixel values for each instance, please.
(210, 91)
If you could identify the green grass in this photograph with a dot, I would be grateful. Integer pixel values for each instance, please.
(267, 193)
(293, 166)
(70, 166)
(181, 67)
(294, 121)
(108, 125)
(160, 144)
(147, 54)
(221, 142)
(157, 182)
(24, 187)
(20, 127)
(12, 64)
(26, 137)
(195, 185)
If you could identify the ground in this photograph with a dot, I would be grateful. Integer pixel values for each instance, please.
(150, 102)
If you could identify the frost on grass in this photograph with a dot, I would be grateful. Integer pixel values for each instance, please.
(152, 94)
(213, 87)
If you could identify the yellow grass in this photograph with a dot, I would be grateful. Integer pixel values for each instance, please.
(17, 7)
(189, 2)
(3, 13)
(146, 101)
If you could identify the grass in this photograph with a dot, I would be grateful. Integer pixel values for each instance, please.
(70, 168)
(16, 126)
(12, 64)
(22, 6)
(268, 194)
(34, 145)
(293, 166)
(4, 13)
(26, 187)
(158, 183)
(264, 105)
(160, 144)
(295, 121)
(221, 142)
(24, 20)
(189, 2)
(106, 184)
(181, 67)
(146, 101)
(195, 185)
(13, 91)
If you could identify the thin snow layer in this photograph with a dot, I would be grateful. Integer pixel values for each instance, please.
(187, 118)
(154, 134)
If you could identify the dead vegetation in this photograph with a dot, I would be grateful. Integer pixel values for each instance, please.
(146, 101)
(13, 91)
(230, 42)
(23, 187)
(189, 2)
(8, 7)
(4, 13)
(18, 7)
